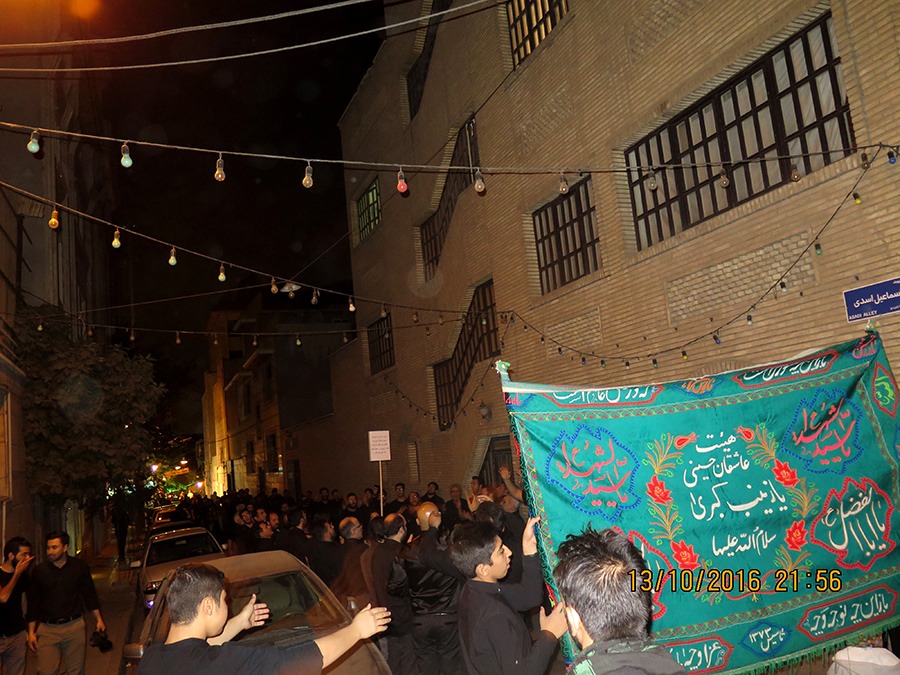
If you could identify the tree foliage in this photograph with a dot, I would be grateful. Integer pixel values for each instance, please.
(84, 407)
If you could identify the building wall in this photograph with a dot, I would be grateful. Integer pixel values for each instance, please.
(605, 76)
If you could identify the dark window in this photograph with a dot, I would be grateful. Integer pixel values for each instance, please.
(250, 457)
(381, 344)
(478, 340)
(415, 78)
(434, 230)
(499, 453)
(566, 237)
(530, 22)
(368, 210)
(272, 463)
(244, 402)
(791, 103)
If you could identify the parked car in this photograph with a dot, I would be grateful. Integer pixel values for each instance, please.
(163, 514)
(167, 551)
(301, 609)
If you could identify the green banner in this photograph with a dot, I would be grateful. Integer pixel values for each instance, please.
(762, 499)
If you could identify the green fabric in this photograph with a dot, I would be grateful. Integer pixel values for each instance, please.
(774, 484)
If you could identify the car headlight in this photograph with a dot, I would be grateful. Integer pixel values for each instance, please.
(153, 586)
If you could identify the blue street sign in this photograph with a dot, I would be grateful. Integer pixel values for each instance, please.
(878, 299)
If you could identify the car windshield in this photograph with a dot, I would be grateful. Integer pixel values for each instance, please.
(299, 610)
(178, 548)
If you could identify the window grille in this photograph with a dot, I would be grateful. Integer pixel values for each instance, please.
(530, 22)
(381, 344)
(368, 210)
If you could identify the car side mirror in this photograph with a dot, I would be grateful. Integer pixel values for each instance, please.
(135, 564)
(133, 652)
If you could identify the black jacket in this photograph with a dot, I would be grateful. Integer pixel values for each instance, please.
(626, 657)
(432, 590)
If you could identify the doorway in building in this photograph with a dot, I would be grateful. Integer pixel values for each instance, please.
(499, 453)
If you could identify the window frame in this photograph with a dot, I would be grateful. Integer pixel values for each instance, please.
(380, 338)
(368, 210)
(530, 22)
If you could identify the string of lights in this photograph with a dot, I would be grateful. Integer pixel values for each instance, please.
(560, 172)
(262, 52)
(179, 31)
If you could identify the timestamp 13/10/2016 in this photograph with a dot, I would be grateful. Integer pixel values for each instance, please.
(714, 580)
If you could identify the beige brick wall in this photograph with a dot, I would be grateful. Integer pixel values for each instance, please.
(607, 74)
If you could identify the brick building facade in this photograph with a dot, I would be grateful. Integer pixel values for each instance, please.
(644, 105)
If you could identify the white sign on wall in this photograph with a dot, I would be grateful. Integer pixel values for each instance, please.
(379, 446)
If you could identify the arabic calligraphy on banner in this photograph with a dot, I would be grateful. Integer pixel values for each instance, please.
(763, 500)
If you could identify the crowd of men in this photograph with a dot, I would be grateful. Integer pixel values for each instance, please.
(459, 574)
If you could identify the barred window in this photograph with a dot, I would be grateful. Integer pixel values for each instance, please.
(478, 340)
(565, 235)
(787, 109)
(381, 344)
(434, 229)
(530, 22)
(368, 210)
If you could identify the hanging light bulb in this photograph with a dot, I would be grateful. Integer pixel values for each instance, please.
(684, 356)
(603, 363)
(627, 365)
(34, 143)
(655, 363)
(90, 331)
(892, 157)
(383, 311)
(818, 248)
(402, 187)
(563, 184)
(307, 181)
(749, 319)
(215, 338)
(440, 319)
(131, 337)
(783, 286)
(724, 181)
(559, 350)
(221, 276)
(177, 337)
(427, 331)
(651, 180)
(795, 174)
(291, 294)
(172, 259)
(219, 175)
(298, 342)
(315, 296)
(54, 220)
(717, 339)
(864, 162)
(116, 242)
(479, 181)
(255, 340)
(273, 287)
(126, 160)
(856, 198)
(40, 326)
(350, 305)
(583, 361)
(415, 317)
(346, 339)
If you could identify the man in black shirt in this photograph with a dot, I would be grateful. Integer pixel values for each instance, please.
(16, 559)
(199, 637)
(61, 589)
(492, 634)
(400, 502)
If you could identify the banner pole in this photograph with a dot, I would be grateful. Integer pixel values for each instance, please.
(381, 487)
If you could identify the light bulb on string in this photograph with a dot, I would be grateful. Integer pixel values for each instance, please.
(783, 286)
(315, 297)
(221, 276)
(583, 361)
(427, 331)
(440, 319)
(273, 286)
(603, 363)
(298, 341)
(864, 162)
(627, 365)
(219, 175)
(350, 306)
(291, 294)
(749, 319)
(891, 157)
(559, 350)
(724, 181)
(856, 198)
(402, 187)
(90, 331)
(177, 337)
(655, 363)
(563, 184)
(651, 180)
(795, 174)
(40, 326)
(818, 248)
(415, 317)
(215, 338)
(479, 181)
(717, 339)
(116, 242)
(383, 312)
(255, 340)
(132, 338)
(126, 160)
(34, 143)
(54, 220)
(172, 259)
(346, 339)
(684, 356)
(307, 181)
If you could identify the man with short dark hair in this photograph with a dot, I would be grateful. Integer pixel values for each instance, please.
(322, 550)
(493, 637)
(607, 616)
(350, 586)
(61, 589)
(16, 559)
(199, 637)
(400, 502)
(431, 495)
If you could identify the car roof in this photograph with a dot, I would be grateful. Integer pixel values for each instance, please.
(264, 563)
(177, 534)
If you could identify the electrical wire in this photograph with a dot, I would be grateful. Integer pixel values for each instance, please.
(245, 55)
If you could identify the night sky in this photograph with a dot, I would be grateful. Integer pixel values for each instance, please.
(260, 216)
